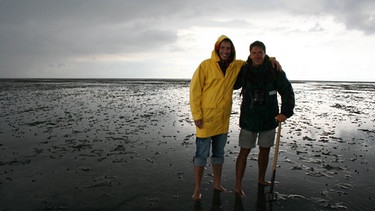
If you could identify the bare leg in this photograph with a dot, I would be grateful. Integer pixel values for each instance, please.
(217, 169)
(240, 169)
(198, 174)
(262, 165)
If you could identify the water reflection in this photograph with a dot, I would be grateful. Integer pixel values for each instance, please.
(261, 203)
(215, 204)
(216, 201)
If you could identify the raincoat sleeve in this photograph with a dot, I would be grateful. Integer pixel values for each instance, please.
(196, 90)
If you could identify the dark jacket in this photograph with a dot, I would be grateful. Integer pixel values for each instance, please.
(260, 86)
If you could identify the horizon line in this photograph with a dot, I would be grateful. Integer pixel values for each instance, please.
(180, 79)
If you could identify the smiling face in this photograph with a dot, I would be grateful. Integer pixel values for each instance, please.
(225, 50)
(257, 55)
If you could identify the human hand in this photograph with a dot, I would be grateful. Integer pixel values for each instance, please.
(280, 118)
(276, 64)
(198, 123)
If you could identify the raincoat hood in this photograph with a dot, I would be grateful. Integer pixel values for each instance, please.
(215, 52)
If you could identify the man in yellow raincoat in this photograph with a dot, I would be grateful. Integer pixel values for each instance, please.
(211, 91)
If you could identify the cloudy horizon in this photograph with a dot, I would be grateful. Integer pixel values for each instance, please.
(313, 40)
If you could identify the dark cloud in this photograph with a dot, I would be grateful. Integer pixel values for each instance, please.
(356, 14)
(60, 27)
(45, 33)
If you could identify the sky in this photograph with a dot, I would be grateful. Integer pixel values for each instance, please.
(312, 39)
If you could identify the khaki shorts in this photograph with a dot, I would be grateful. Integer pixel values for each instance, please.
(247, 139)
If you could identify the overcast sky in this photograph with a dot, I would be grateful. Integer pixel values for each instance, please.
(312, 39)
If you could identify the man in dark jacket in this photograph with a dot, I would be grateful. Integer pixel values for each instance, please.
(260, 84)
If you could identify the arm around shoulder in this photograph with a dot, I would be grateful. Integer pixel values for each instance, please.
(275, 63)
(240, 78)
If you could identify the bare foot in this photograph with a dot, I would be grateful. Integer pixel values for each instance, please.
(240, 193)
(197, 197)
(264, 183)
(220, 189)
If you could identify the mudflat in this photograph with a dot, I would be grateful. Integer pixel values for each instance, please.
(128, 145)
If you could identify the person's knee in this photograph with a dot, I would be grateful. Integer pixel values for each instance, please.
(264, 151)
(217, 160)
(264, 148)
(243, 153)
(200, 161)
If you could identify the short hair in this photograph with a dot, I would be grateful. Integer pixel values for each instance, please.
(258, 44)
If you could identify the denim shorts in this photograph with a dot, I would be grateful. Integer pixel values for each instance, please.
(203, 149)
(247, 139)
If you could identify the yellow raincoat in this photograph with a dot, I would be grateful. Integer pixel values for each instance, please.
(211, 94)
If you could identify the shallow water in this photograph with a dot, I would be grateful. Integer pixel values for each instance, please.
(128, 144)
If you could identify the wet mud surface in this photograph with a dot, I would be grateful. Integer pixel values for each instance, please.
(128, 145)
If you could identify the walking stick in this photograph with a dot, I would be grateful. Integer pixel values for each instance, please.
(271, 196)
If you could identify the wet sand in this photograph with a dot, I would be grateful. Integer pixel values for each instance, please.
(128, 145)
